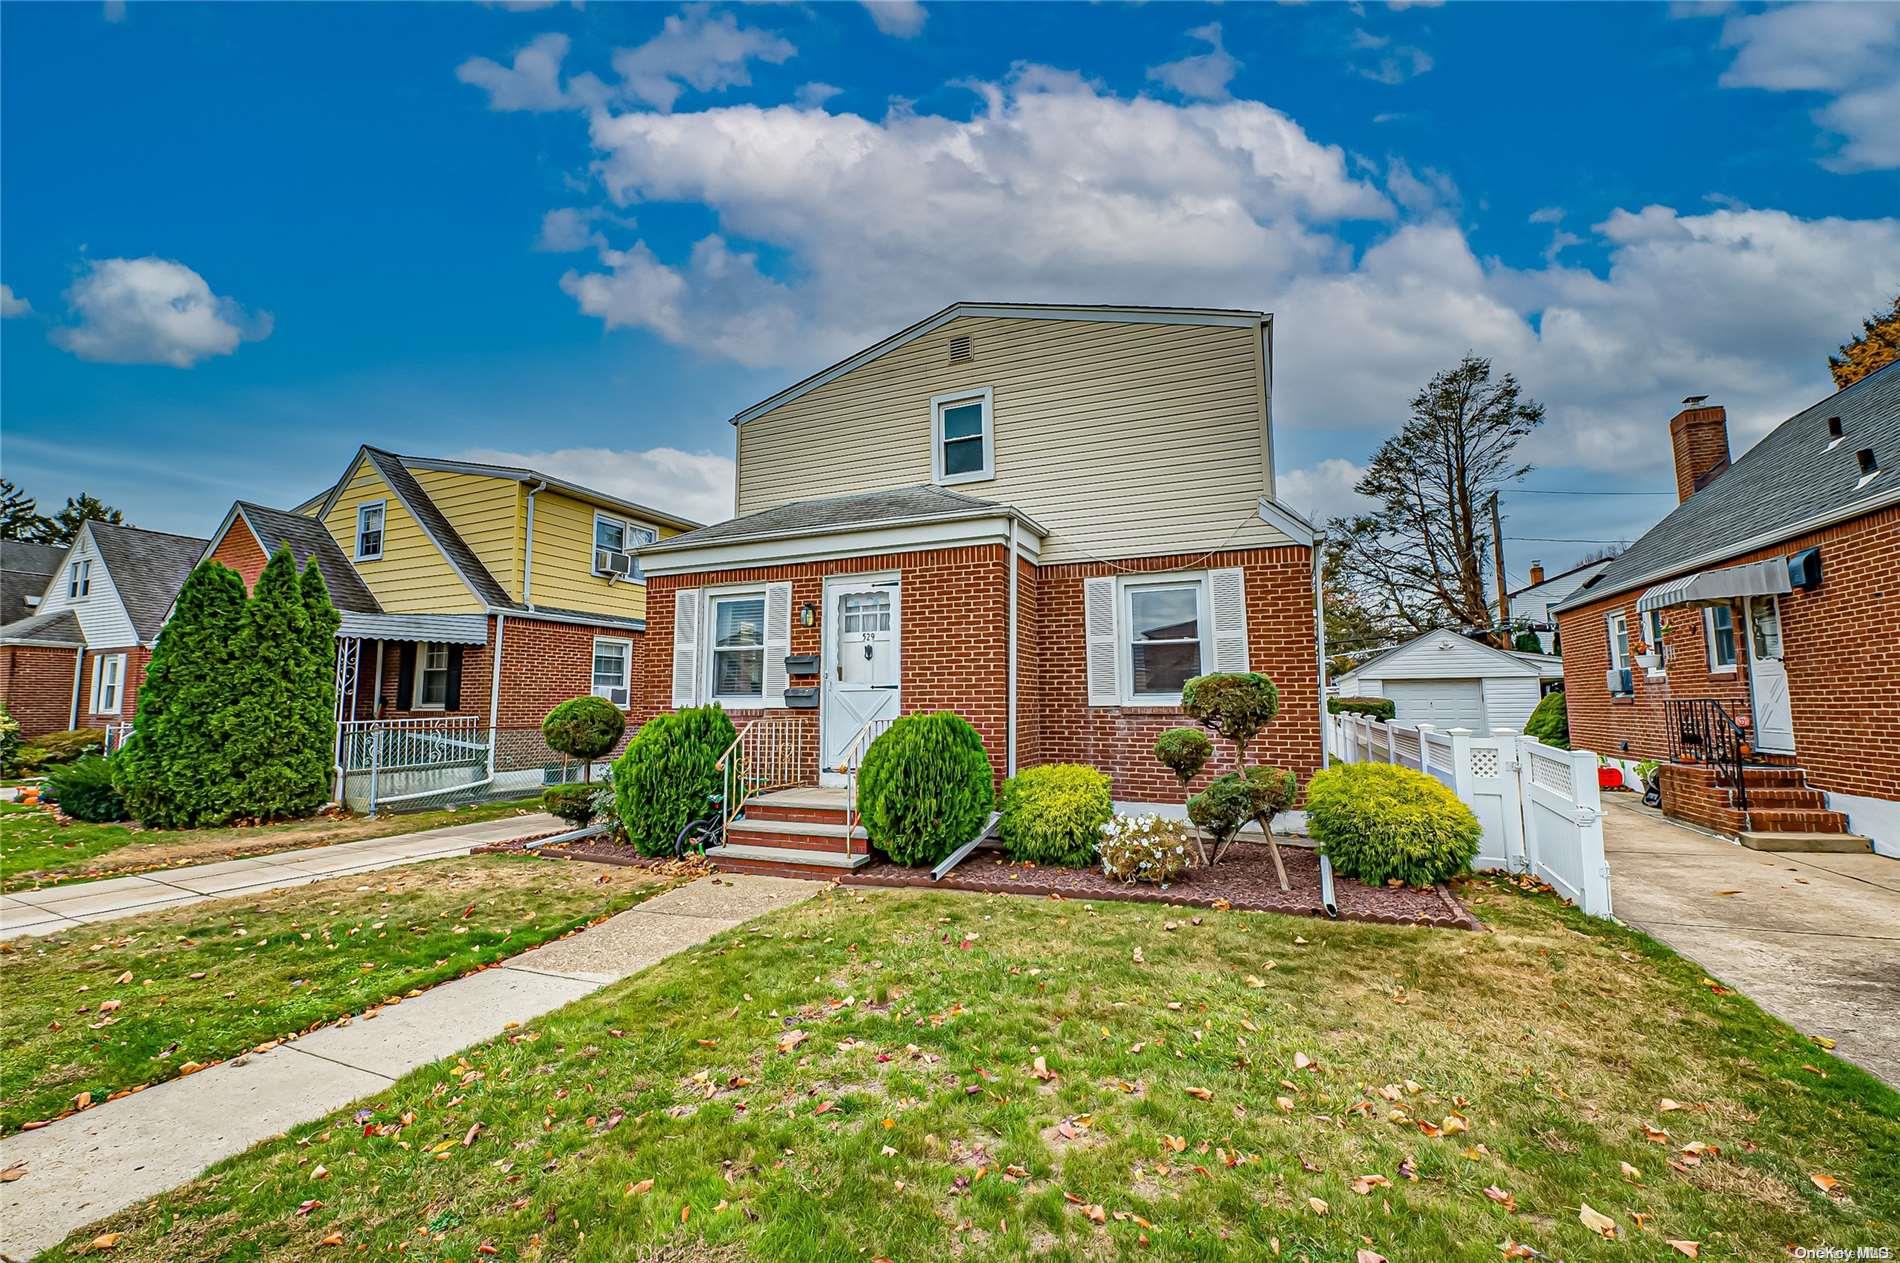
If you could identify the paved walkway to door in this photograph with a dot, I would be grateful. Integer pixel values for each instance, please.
(88, 1165)
(1814, 939)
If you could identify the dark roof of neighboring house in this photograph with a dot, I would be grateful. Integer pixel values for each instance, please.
(147, 568)
(868, 508)
(453, 546)
(59, 628)
(26, 569)
(307, 537)
(1790, 482)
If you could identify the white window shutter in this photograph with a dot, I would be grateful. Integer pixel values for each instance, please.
(778, 640)
(1104, 650)
(1227, 608)
(93, 704)
(685, 647)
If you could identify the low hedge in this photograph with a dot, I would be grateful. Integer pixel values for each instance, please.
(667, 775)
(1372, 707)
(9, 742)
(925, 787)
(1550, 721)
(572, 803)
(83, 789)
(1055, 814)
(1377, 822)
(54, 748)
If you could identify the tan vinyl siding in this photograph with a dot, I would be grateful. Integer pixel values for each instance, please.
(486, 513)
(564, 560)
(412, 576)
(1122, 439)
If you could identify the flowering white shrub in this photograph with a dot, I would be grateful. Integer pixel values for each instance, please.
(1145, 848)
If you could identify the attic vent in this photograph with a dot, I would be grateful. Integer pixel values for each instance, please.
(1868, 466)
(961, 350)
(1834, 434)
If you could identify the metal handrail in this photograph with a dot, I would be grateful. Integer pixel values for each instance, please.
(1701, 729)
(767, 753)
(848, 768)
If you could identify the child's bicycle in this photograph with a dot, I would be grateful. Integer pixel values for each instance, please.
(707, 831)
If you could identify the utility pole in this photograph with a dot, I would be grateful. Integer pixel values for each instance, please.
(1504, 598)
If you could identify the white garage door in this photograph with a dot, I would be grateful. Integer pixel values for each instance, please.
(1445, 703)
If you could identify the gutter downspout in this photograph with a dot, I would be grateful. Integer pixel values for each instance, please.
(494, 695)
(79, 675)
(1009, 758)
(527, 560)
(1319, 616)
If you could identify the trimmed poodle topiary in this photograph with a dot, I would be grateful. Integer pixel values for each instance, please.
(925, 787)
(583, 728)
(1377, 822)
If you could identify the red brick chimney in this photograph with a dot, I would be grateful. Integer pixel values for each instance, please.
(1698, 436)
(1537, 573)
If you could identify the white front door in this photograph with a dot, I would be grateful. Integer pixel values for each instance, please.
(861, 670)
(1768, 678)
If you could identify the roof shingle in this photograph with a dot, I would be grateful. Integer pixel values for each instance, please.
(307, 537)
(147, 568)
(868, 508)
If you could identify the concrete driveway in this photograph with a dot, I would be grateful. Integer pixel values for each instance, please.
(1814, 939)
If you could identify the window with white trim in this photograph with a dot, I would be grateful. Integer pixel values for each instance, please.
(613, 669)
(79, 579)
(432, 677)
(1164, 644)
(108, 684)
(962, 437)
(619, 535)
(369, 530)
(1654, 639)
(736, 661)
(1618, 627)
(1718, 631)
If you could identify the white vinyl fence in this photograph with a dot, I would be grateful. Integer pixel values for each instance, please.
(1538, 805)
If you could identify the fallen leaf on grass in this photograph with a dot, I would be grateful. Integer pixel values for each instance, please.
(790, 1040)
(1301, 1061)
(1199, 1094)
(305, 1209)
(643, 1186)
(1368, 1256)
(1284, 1103)
(1319, 1207)
(1501, 1197)
(1364, 1184)
(1826, 1183)
(1597, 1222)
(319, 1172)
(1042, 1071)
(335, 1238)
(1630, 1173)
(1688, 1249)
(1516, 1250)
(106, 1240)
(1665, 1105)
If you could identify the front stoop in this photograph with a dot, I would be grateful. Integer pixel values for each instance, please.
(794, 833)
(1812, 843)
(1784, 812)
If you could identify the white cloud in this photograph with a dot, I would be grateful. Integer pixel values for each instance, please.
(813, 95)
(533, 82)
(696, 485)
(1324, 491)
(1395, 63)
(696, 49)
(1848, 52)
(567, 229)
(1203, 76)
(1423, 192)
(1547, 215)
(153, 311)
(903, 18)
(11, 304)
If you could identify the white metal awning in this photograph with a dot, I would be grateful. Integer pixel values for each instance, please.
(1757, 578)
(449, 629)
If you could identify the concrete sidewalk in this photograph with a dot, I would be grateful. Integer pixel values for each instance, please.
(115, 1155)
(59, 908)
(1814, 939)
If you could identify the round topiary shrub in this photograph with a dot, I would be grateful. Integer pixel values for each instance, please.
(1377, 822)
(1150, 849)
(572, 803)
(925, 787)
(583, 728)
(1230, 801)
(1371, 707)
(1184, 751)
(83, 789)
(1055, 814)
(1235, 704)
(1550, 721)
(667, 775)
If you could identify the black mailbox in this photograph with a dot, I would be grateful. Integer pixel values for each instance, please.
(801, 664)
(801, 699)
(1804, 568)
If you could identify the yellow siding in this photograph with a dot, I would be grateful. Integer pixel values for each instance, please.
(486, 513)
(564, 560)
(1122, 440)
(412, 576)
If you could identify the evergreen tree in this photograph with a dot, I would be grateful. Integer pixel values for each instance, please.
(63, 527)
(19, 513)
(176, 769)
(319, 704)
(269, 724)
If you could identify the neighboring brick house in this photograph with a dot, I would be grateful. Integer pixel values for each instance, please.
(1760, 609)
(1043, 518)
(434, 565)
(78, 659)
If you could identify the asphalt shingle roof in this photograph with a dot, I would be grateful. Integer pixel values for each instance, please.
(1790, 477)
(61, 627)
(307, 537)
(867, 508)
(25, 570)
(147, 568)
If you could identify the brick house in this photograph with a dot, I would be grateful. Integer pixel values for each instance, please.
(1752, 622)
(77, 660)
(1043, 518)
(474, 598)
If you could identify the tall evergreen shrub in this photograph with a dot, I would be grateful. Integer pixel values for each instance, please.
(318, 704)
(280, 770)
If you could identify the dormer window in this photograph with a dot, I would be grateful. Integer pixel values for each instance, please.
(79, 579)
(962, 437)
(369, 530)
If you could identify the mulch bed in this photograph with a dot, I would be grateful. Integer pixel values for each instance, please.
(1244, 880)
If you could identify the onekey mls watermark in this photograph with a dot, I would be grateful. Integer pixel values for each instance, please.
(1845, 1252)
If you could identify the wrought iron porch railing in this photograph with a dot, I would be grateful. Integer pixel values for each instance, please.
(1702, 731)
(870, 730)
(767, 754)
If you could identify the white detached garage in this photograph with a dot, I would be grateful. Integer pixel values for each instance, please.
(1452, 681)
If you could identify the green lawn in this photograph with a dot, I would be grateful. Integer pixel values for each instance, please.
(932, 1076)
(133, 1002)
(36, 851)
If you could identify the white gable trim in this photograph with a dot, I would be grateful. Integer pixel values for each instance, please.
(1505, 663)
(1287, 522)
(103, 619)
(1006, 311)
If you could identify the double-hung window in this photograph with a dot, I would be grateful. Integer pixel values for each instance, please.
(1619, 635)
(108, 684)
(738, 648)
(369, 530)
(1164, 626)
(963, 445)
(1718, 629)
(613, 669)
(1653, 638)
(617, 535)
(432, 677)
(79, 579)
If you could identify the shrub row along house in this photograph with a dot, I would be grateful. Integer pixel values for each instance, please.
(1750, 624)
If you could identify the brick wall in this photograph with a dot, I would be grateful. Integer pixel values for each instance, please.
(240, 551)
(1842, 660)
(36, 684)
(1698, 440)
(136, 658)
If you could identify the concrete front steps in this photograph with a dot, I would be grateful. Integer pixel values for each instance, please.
(793, 833)
(1784, 812)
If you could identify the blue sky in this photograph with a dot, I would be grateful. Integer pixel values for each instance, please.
(241, 239)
